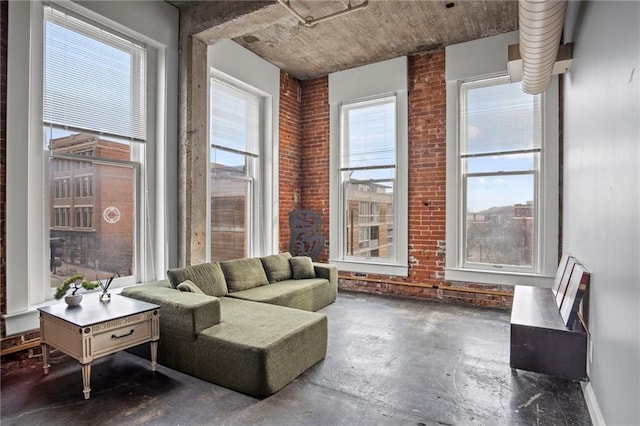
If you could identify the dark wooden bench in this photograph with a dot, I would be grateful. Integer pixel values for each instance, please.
(545, 337)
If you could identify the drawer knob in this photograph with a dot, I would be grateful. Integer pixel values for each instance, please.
(113, 336)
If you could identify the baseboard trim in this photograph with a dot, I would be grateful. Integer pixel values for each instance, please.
(592, 404)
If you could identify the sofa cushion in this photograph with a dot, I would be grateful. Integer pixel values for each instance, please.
(242, 274)
(277, 267)
(302, 267)
(308, 294)
(189, 286)
(207, 276)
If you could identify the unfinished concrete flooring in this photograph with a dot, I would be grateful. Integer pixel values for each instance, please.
(390, 361)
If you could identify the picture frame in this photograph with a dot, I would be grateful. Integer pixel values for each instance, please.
(576, 289)
(564, 281)
(562, 268)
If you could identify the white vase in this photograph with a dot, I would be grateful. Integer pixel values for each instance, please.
(73, 299)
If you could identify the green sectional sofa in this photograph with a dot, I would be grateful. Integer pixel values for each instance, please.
(246, 324)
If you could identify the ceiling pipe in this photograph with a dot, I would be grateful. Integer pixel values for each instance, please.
(311, 22)
(541, 23)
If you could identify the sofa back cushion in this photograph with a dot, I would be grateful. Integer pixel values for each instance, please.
(207, 276)
(302, 267)
(277, 267)
(243, 274)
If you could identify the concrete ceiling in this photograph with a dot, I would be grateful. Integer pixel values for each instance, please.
(382, 30)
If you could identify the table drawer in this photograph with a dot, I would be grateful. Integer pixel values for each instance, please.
(122, 337)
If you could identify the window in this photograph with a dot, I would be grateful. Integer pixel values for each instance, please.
(84, 217)
(61, 217)
(500, 144)
(61, 188)
(243, 131)
(234, 170)
(502, 171)
(95, 119)
(37, 159)
(369, 168)
(368, 172)
(84, 186)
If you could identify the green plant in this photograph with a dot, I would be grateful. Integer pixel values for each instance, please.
(76, 282)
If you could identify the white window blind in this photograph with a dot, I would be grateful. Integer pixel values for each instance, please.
(369, 135)
(498, 118)
(235, 119)
(94, 79)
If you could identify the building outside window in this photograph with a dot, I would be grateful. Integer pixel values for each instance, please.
(236, 117)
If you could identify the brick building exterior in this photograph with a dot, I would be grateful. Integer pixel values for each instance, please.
(91, 208)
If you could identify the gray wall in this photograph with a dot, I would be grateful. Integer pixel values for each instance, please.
(601, 193)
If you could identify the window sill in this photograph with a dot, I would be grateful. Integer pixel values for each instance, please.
(371, 268)
(498, 277)
(24, 321)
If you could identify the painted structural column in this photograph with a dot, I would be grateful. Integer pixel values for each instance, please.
(202, 24)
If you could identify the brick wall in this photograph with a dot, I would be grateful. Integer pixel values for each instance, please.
(315, 153)
(290, 154)
(427, 167)
(427, 187)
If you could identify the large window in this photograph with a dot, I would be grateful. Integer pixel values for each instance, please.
(368, 172)
(94, 101)
(502, 171)
(368, 179)
(234, 170)
(500, 144)
(87, 165)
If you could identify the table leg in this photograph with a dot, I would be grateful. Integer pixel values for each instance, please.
(86, 380)
(45, 357)
(154, 355)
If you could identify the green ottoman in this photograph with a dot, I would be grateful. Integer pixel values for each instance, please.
(259, 348)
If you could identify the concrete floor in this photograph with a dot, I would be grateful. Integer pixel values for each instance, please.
(390, 361)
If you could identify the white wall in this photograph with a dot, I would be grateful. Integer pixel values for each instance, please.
(601, 194)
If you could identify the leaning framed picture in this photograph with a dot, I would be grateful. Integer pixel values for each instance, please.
(561, 272)
(564, 282)
(575, 291)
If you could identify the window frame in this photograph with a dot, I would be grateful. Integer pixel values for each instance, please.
(243, 67)
(374, 81)
(535, 172)
(253, 166)
(27, 235)
(463, 63)
(344, 183)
